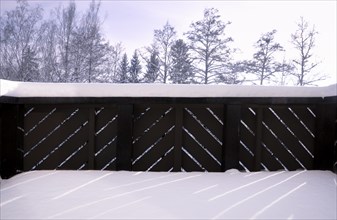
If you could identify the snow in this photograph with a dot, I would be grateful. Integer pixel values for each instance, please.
(29, 89)
(164, 195)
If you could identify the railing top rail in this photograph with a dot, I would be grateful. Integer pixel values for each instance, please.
(30, 89)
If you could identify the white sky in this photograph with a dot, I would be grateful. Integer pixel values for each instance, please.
(133, 22)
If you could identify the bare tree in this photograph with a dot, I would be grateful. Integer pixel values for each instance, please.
(49, 70)
(66, 26)
(93, 45)
(164, 38)
(304, 41)
(209, 45)
(264, 65)
(114, 58)
(230, 73)
(19, 42)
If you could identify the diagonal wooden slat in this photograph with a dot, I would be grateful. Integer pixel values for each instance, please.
(156, 112)
(139, 111)
(201, 154)
(247, 138)
(288, 139)
(279, 150)
(249, 118)
(188, 164)
(156, 152)
(297, 128)
(56, 135)
(150, 137)
(42, 130)
(48, 127)
(106, 154)
(105, 117)
(214, 127)
(166, 163)
(306, 116)
(246, 158)
(217, 110)
(106, 129)
(34, 115)
(269, 159)
(60, 153)
(203, 137)
(79, 158)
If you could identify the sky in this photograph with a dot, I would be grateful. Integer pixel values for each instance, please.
(133, 23)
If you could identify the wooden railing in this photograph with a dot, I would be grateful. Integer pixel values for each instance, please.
(167, 133)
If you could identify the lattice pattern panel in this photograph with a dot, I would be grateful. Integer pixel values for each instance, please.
(58, 137)
(202, 138)
(287, 138)
(105, 138)
(50, 133)
(153, 137)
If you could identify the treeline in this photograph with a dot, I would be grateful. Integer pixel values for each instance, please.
(70, 47)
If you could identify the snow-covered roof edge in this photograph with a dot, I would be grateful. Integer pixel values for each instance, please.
(29, 89)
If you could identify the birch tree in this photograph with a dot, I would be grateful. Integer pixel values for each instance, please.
(304, 42)
(20, 37)
(49, 70)
(164, 38)
(66, 26)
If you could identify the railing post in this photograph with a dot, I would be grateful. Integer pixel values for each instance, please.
(231, 141)
(258, 139)
(11, 139)
(124, 137)
(325, 137)
(178, 138)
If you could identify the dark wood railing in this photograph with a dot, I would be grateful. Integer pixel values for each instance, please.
(167, 133)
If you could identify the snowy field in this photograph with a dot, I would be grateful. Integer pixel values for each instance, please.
(161, 195)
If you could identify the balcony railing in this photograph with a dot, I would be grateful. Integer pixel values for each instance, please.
(156, 127)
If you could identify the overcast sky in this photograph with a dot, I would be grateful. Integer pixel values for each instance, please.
(133, 22)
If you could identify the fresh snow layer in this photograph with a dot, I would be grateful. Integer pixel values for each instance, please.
(28, 89)
(162, 195)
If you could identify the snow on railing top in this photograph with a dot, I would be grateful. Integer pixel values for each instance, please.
(29, 89)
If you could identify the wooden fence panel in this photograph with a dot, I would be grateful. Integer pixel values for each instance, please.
(60, 128)
(153, 136)
(202, 137)
(171, 135)
(106, 137)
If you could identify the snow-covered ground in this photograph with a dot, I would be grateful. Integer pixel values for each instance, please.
(27, 89)
(161, 195)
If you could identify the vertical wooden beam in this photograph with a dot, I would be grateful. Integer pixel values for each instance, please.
(1, 145)
(258, 139)
(124, 137)
(10, 159)
(91, 144)
(20, 134)
(325, 137)
(231, 138)
(178, 138)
